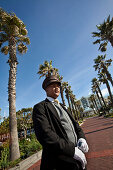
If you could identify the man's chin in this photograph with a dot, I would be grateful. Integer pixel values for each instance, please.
(56, 95)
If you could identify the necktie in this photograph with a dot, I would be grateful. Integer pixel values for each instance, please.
(56, 101)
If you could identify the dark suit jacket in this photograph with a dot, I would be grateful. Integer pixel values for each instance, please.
(52, 136)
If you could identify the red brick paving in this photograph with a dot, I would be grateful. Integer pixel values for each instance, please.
(99, 135)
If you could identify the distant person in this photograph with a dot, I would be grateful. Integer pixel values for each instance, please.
(62, 138)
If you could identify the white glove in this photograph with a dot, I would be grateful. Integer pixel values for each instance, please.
(82, 145)
(79, 155)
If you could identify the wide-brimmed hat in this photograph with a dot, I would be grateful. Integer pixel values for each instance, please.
(50, 79)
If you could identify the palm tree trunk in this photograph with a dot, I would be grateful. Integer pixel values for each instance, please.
(73, 109)
(109, 90)
(107, 74)
(93, 104)
(67, 96)
(77, 116)
(62, 96)
(96, 104)
(14, 145)
(25, 133)
(101, 95)
(99, 98)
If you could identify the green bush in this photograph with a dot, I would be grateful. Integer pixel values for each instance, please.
(29, 146)
(109, 115)
(4, 162)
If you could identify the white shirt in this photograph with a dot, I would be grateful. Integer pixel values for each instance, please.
(50, 99)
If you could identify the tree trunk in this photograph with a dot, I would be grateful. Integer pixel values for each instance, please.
(107, 74)
(101, 94)
(98, 98)
(93, 106)
(109, 90)
(25, 133)
(14, 145)
(62, 96)
(73, 109)
(76, 111)
(67, 96)
(96, 104)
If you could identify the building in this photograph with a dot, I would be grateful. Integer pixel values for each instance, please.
(84, 103)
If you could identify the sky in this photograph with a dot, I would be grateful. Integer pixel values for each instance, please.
(61, 31)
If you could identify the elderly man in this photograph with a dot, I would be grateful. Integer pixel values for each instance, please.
(62, 138)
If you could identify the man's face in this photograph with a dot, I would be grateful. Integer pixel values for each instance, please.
(53, 90)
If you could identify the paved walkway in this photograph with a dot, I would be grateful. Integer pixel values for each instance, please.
(99, 134)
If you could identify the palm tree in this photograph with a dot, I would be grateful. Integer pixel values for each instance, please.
(96, 88)
(62, 91)
(78, 107)
(47, 69)
(103, 79)
(66, 87)
(92, 99)
(102, 65)
(72, 98)
(104, 34)
(14, 33)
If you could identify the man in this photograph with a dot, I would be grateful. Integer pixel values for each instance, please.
(62, 138)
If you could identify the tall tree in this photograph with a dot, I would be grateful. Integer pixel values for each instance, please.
(72, 98)
(103, 79)
(92, 99)
(104, 34)
(62, 91)
(94, 90)
(47, 69)
(66, 87)
(96, 85)
(78, 108)
(101, 65)
(13, 33)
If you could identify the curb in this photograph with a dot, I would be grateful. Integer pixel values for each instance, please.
(27, 163)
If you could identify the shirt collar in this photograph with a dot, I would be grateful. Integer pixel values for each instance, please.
(50, 99)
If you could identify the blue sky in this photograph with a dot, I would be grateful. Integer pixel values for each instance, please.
(59, 30)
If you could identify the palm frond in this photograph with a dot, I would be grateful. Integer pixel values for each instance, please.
(97, 41)
(5, 50)
(22, 48)
(96, 34)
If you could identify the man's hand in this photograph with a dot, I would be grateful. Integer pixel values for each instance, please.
(79, 155)
(82, 145)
